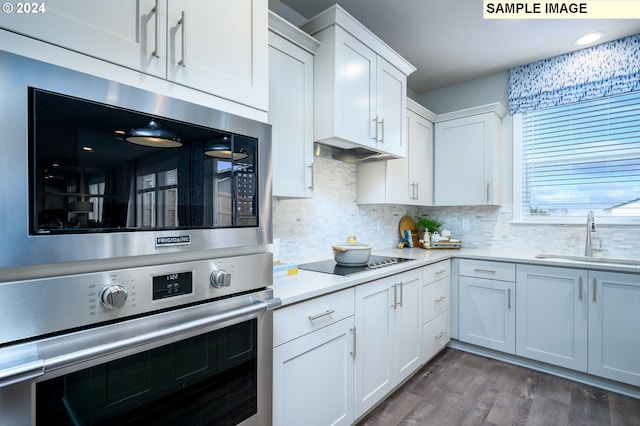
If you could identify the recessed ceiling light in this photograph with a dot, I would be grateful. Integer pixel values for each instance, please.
(589, 38)
(87, 148)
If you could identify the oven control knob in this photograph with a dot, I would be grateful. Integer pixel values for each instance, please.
(113, 296)
(220, 278)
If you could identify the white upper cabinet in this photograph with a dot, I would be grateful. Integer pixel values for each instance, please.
(291, 108)
(405, 180)
(360, 86)
(219, 47)
(467, 156)
(215, 47)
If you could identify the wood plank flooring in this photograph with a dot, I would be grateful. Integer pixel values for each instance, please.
(458, 388)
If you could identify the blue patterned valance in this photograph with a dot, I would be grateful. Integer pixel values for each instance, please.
(595, 72)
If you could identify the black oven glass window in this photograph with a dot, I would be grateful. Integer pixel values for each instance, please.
(89, 172)
(204, 380)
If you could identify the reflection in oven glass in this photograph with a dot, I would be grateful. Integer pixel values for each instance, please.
(205, 380)
(86, 176)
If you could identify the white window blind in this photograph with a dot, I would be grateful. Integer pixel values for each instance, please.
(581, 157)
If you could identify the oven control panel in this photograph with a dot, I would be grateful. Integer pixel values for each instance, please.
(172, 284)
(78, 300)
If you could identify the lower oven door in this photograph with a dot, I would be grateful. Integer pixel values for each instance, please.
(203, 365)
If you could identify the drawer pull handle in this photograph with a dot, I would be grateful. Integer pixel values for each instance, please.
(442, 333)
(440, 299)
(509, 298)
(484, 271)
(324, 314)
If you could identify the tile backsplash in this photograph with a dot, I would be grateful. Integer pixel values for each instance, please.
(307, 228)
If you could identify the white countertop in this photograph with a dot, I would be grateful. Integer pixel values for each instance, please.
(307, 284)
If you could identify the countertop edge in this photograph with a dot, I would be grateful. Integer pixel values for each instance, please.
(307, 285)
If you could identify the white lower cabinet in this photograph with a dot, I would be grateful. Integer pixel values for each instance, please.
(313, 378)
(582, 320)
(551, 315)
(313, 362)
(487, 304)
(388, 339)
(436, 302)
(614, 323)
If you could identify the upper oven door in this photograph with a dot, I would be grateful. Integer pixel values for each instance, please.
(74, 189)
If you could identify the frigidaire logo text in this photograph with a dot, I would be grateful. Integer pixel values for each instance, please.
(173, 241)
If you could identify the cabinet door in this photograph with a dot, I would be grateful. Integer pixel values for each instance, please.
(614, 321)
(409, 180)
(291, 117)
(124, 32)
(389, 336)
(487, 313)
(551, 319)
(219, 47)
(355, 79)
(373, 343)
(391, 103)
(407, 324)
(464, 161)
(313, 378)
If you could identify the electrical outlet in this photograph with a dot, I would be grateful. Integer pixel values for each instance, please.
(465, 225)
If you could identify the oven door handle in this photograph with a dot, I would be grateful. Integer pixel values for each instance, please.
(29, 369)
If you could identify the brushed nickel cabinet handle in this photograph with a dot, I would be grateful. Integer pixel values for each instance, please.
(508, 298)
(442, 333)
(484, 271)
(324, 314)
(183, 23)
(312, 181)
(155, 11)
(595, 285)
(375, 121)
(353, 333)
(395, 296)
(401, 285)
(440, 299)
(381, 140)
(580, 289)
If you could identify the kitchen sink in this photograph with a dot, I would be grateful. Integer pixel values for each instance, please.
(587, 259)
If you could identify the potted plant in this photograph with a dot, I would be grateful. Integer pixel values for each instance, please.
(429, 224)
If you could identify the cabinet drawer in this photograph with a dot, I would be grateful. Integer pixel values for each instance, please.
(437, 271)
(436, 298)
(435, 335)
(485, 269)
(294, 321)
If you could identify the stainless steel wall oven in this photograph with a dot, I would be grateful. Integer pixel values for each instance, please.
(134, 264)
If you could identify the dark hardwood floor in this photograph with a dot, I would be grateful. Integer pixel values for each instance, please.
(458, 388)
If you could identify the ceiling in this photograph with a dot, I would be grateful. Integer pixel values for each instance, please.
(449, 42)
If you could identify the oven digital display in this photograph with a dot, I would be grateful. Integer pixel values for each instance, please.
(171, 285)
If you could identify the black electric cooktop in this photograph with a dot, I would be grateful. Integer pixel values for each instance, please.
(331, 267)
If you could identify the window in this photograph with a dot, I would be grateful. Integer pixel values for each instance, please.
(579, 157)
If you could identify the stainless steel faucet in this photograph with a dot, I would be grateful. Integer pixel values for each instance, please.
(591, 227)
